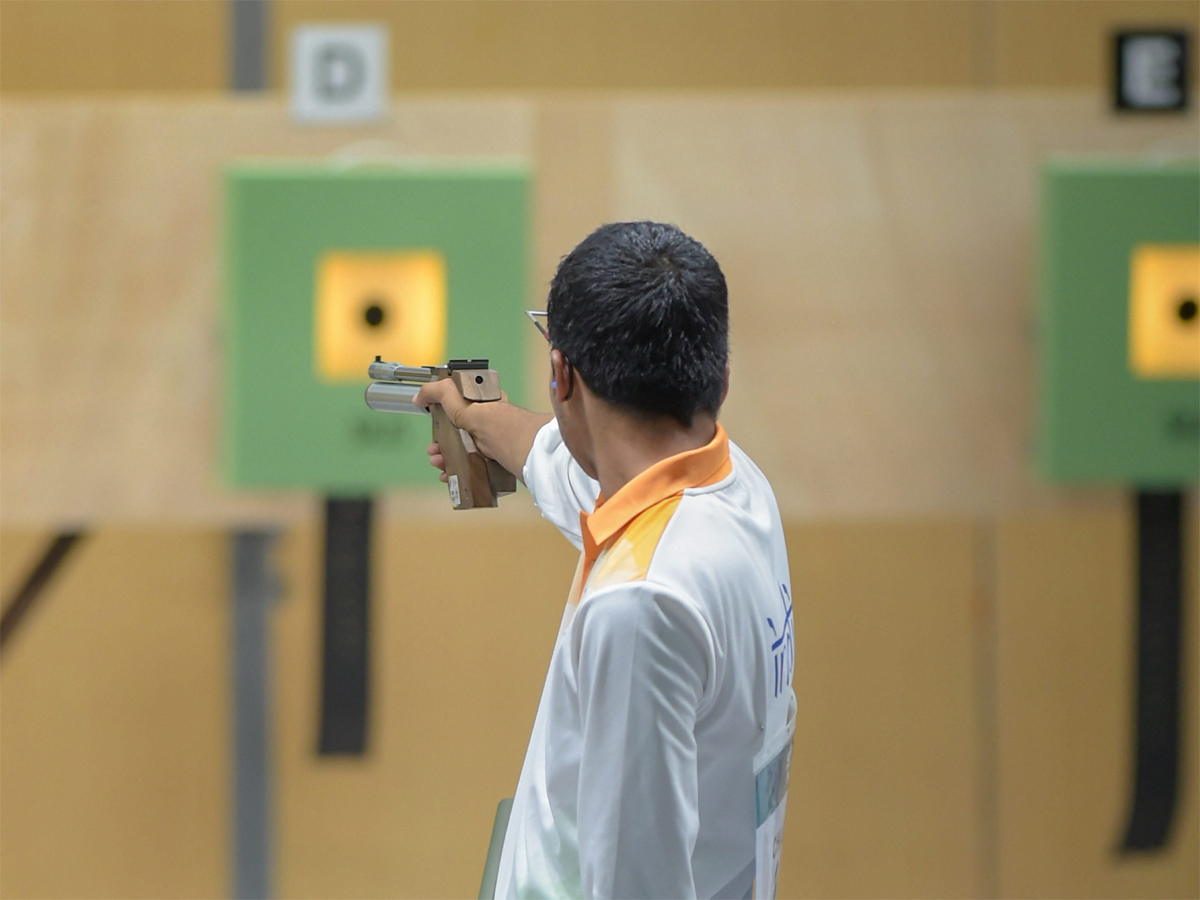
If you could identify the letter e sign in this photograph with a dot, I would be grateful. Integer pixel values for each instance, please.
(339, 73)
(1151, 71)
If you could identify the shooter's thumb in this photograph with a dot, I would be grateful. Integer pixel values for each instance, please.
(444, 392)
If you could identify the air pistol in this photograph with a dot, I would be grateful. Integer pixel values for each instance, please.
(474, 480)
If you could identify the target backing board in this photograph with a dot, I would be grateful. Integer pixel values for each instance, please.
(1119, 333)
(326, 268)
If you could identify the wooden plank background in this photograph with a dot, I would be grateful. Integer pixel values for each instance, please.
(52, 46)
(115, 696)
(879, 251)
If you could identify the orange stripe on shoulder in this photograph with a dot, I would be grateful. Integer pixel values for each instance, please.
(628, 555)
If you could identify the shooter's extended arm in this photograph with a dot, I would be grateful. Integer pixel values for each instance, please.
(474, 480)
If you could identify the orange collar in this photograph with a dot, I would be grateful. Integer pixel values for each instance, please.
(666, 478)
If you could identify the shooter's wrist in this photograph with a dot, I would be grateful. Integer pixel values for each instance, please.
(503, 432)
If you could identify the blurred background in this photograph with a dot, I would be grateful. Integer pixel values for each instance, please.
(869, 175)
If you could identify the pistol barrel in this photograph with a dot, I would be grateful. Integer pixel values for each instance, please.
(390, 371)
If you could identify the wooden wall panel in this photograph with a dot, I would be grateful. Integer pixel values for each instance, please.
(459, 656)
(114, 723)
(113, 45)
(1065, 616)
(885, 768)
(1071, 44)
(573, 149)
(878, 249)
(166, 45)
(629, 45)
(109, 326)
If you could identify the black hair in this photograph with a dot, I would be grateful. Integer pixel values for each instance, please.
(640, 311)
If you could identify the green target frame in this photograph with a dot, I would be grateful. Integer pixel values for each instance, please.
(1098, 420)
(284, 425)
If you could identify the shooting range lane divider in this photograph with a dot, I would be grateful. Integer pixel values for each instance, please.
(1159, 647)
(345, 661)
(256, 587)
(249, 26)
(34, 586)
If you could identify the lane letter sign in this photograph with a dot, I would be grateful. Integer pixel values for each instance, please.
(1151, 71)
(339, 73)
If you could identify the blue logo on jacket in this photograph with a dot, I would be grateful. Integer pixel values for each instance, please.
(783, 647)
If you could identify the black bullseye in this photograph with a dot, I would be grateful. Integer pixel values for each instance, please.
(1187, 310)
(374, 315)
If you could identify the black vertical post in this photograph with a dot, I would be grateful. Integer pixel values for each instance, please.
(345, 657)
(1159, 644)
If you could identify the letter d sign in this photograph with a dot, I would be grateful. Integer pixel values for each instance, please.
(339, 73)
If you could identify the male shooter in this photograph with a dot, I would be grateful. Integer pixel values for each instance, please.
(658, 761)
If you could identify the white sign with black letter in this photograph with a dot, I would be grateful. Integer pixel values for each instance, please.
(1152, 71)
(339, 72)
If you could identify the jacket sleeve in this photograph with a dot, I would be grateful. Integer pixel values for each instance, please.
(642, 659)
(559, 487)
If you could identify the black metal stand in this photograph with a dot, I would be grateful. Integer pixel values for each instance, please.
(1159, 644)
(345, 659)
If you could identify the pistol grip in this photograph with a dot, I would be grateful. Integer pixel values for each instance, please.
(467, 470)
(500, 479)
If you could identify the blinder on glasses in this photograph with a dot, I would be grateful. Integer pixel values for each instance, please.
(541, 322)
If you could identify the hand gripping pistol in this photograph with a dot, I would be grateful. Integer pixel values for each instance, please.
(474, 480)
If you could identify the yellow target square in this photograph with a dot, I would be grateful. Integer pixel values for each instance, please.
(1164, 324)
(372, 304)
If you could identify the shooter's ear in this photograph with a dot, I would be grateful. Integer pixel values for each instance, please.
(560, 372)
(725, 389)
